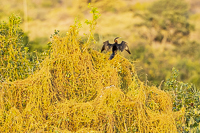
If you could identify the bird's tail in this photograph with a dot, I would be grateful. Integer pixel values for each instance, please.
(128, 51)
(112, 56)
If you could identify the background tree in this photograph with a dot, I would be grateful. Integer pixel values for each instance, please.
(167, 21)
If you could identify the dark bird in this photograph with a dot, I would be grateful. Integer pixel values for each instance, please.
(107, 46)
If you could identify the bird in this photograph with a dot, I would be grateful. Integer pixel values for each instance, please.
(115, 47)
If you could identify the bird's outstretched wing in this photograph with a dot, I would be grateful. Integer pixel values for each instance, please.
(106, 46)
(123, 46)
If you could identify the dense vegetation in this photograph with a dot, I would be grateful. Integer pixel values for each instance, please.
(76, 89)
(161, 36)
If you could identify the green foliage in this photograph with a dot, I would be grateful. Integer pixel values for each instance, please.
(185, 95)
(109, 6)
(167, 21)
(154, 63)
(140, 6)
(172, 82)
(166, 6)
(92, 23)
(14, 56)
(157, 62)
(50, 3)
(38, 44)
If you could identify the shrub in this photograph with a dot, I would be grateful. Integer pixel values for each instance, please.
(14, 57)
(185, 95)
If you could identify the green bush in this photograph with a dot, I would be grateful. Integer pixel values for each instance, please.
(14, 56)
(185, 95)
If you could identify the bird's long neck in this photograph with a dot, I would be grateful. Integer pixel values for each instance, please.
(115, 40)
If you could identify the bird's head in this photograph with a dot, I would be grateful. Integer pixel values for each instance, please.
(115, 40)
